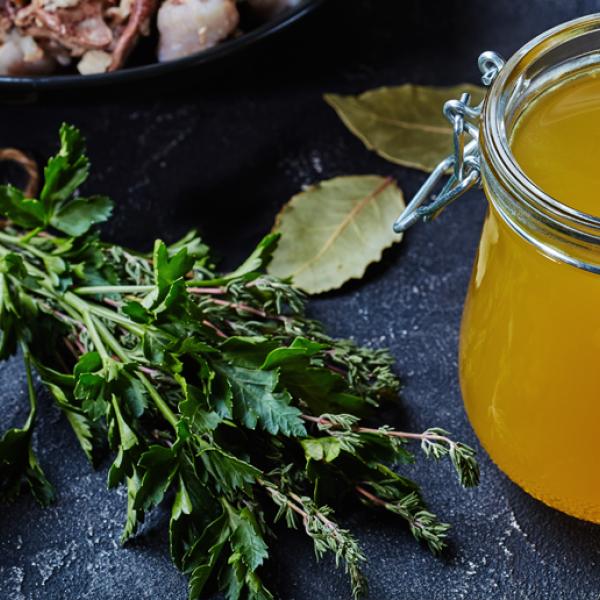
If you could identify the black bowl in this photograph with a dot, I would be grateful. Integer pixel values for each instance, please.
(136, 72)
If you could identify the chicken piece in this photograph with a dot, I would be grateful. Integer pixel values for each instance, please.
(188, 26)
(118, 14)
(54, 5)
(78, 28)
(102, 32)
(138, 23)
(269, 8)
(20, 55)
(7, 17)
(94, 61)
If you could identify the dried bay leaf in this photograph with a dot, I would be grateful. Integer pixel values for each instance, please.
(334, 230)
(403, 124)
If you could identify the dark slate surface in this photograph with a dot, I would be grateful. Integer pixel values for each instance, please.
(222, 149)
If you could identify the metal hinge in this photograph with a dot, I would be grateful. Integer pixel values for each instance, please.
(464, 162)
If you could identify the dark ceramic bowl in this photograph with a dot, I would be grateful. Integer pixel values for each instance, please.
(143, 63)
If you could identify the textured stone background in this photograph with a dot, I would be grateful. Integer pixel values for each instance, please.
(222, 149)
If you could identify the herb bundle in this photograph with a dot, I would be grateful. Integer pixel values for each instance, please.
(215, 391)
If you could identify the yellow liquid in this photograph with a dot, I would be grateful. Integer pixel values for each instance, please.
(530, 339)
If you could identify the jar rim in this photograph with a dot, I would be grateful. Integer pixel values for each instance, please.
(495, 144)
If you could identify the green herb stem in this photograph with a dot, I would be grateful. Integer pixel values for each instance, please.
(110, 339)
(100, 290)
(28, 236)
(22, 243)
(388, 432)
(30, 387)
(113, 316)
(95, 337)
(162, 406)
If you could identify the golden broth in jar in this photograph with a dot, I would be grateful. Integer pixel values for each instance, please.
(530, 339)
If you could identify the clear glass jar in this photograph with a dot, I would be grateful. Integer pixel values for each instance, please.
(530, 336)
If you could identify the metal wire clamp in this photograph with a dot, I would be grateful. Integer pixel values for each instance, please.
(464, 161)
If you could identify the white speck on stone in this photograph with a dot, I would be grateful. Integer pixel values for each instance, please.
(512, 519)
(11, 583)
(471, 570)
(316, 162)
(51, 560)
(515, 526)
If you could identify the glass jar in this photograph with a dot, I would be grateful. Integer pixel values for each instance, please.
(530, 335)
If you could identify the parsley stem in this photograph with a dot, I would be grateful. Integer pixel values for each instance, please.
(22, 243)
(24, 239)
(119, 351)
(122, 355)
(162, 406)
(30, 387)
(110, 315)
(110, 340)
(88, 321)
(113, 289)
(30, 268)
(70, 315)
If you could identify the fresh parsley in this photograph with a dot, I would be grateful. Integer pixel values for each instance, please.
(215, 392)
